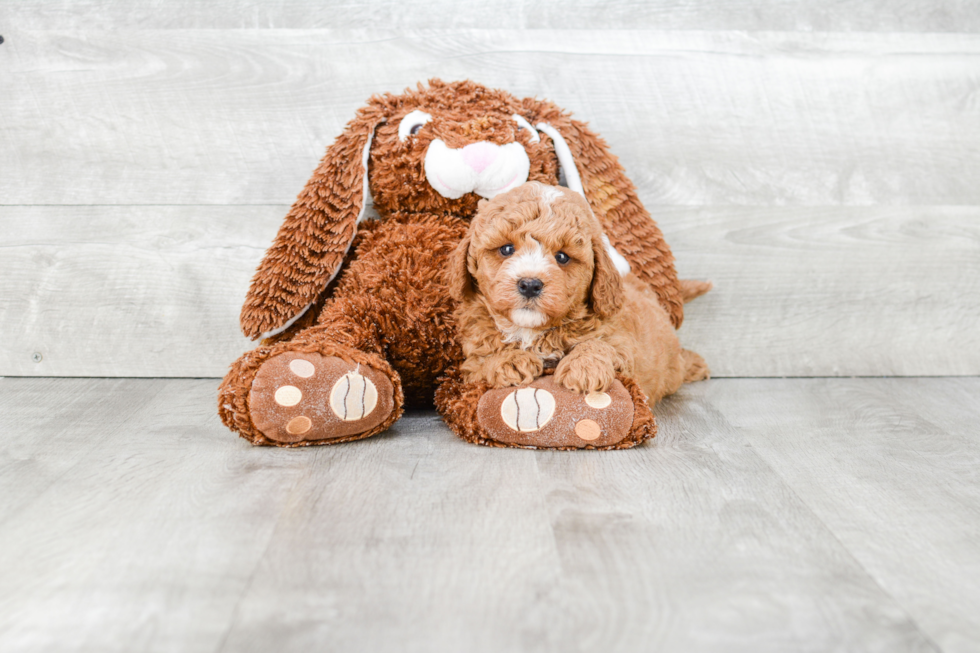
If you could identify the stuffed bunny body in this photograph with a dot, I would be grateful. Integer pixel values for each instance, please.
(351, 300)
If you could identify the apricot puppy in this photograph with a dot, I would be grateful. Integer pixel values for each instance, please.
(539, 289)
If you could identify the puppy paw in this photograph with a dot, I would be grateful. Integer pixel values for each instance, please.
(696, 367)
(584, 374)
(512, 368)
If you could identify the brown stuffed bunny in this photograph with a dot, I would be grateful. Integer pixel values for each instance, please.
(355, 315)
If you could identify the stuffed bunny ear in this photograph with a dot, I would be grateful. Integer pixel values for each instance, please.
(589, 168)
(314, 238)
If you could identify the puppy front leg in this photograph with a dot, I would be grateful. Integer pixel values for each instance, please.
(504, 368)
(589, 367)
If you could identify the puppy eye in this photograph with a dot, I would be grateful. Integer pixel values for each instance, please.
(562, 258)
(506, 250)
(411, 124)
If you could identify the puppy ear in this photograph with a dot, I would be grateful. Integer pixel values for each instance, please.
(461, 284)
(316, 234)
(591, 169)
(606, 294)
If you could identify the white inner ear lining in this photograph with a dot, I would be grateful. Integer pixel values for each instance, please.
(520, 120)
(565, 158)
(367, 207)
(367, 201)
(290, 322)
(567, 163)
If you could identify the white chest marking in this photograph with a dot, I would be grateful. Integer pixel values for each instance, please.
(526, 336)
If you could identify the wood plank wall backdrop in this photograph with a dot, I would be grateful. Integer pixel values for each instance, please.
(820, 161)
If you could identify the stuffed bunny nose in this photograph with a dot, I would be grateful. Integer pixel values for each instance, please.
(530, 288)
(479, 155)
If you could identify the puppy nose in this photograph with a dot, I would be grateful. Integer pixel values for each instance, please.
(530, 288)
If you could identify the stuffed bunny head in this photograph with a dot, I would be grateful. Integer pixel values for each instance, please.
(440, 149)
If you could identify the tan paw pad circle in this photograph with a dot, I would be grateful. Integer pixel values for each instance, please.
(288, 395)
(301, 368)
(353, 397)
(298, 425)
(588, 430)
(598, 400)
(527, 409)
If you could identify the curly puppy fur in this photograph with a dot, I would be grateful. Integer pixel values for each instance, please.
(373, 292)
(536, 285)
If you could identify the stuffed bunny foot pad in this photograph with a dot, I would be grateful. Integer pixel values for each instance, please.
(301, 397)
(546, 415)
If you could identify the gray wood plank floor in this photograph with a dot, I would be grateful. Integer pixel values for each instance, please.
(768, 515)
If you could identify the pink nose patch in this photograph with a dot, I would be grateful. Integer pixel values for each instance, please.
(479, 155)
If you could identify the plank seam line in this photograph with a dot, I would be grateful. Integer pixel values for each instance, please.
(847, 551)
(264, 555)
(106, 435)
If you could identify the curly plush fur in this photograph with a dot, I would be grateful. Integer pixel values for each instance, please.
(372, 292)
(575, 311)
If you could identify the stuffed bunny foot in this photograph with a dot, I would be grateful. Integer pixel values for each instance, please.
(307, 391)
(544, 415)
(306, 397)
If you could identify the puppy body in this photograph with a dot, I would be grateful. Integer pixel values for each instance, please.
(585, 319)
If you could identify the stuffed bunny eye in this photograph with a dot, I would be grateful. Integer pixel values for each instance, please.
(411, 124)
(524, 124)
(506, 250)
(562, 258)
